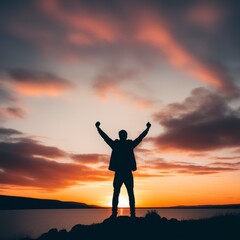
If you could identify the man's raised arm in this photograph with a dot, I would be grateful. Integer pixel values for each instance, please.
(106, 138)
(142, 135)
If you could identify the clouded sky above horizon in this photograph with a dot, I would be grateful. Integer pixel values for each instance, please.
(66, 64)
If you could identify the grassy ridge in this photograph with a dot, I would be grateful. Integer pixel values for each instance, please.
(152, 226)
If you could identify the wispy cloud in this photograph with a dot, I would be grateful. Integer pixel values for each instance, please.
(109, 83)
(160, 167)
(88, 25)
(153, 31)
(235, 165)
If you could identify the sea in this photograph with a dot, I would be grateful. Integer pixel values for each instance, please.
(16, 224)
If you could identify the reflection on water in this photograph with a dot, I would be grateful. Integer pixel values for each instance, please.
(19, 223)
(121, 211)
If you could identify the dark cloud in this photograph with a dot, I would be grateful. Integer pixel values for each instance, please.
(8, 132)
(41, 173)
(29, 76)
(19, 144)
(204, 121)
(32, 148)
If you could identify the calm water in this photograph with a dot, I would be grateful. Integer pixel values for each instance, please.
(18, 223)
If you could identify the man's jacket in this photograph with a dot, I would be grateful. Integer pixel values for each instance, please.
(122, 156)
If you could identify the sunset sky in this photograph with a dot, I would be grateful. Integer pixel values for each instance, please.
(65, 64)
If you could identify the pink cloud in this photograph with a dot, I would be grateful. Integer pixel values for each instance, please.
(83, 31)
(152, 30)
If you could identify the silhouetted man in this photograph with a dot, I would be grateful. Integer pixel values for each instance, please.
(122, 162)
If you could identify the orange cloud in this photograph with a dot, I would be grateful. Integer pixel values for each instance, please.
(34, 89)
(36, 83)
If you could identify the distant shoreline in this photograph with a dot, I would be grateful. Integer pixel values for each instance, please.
(24, 203)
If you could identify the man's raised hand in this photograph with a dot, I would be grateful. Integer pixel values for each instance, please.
(97, 124)
(148, 125)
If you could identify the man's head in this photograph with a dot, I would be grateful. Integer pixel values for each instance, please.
(122, 135)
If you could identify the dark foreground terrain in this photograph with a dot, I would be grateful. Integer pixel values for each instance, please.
(152, 226)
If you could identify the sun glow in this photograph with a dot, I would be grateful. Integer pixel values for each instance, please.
(123, 201)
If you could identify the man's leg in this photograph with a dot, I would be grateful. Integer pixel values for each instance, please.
(117, 183)
(129, 185)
